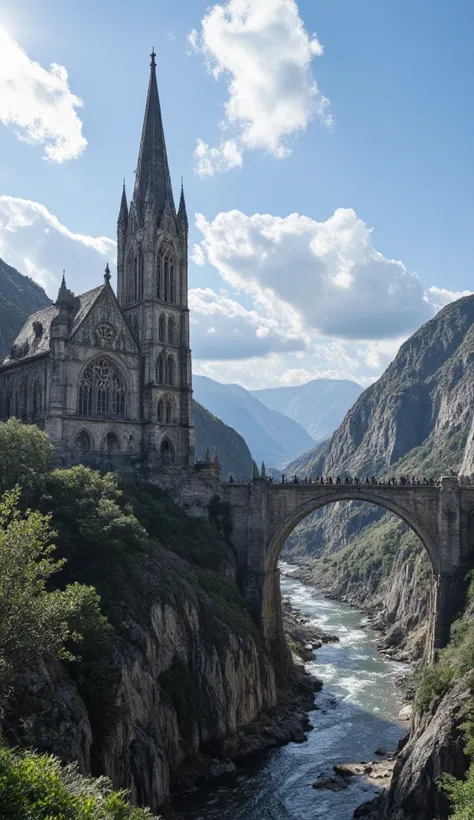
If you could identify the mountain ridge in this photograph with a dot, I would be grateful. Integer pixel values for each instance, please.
(318, 405)
(270, 436)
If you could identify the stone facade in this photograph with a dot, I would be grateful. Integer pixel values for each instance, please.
(110, 378)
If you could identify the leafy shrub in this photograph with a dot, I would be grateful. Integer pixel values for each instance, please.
(25, 456)
(37, 787)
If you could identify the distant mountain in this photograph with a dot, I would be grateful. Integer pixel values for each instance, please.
(19, 297)
(319, 405)
(271, 436)
(213, 433)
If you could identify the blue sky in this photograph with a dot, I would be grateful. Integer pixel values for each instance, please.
(397, 158)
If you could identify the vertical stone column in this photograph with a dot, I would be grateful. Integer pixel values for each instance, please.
(446, 581)
(263, 582)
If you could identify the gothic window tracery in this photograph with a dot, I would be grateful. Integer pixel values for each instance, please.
(105, 334)
(166, 410)
(165, 276)
(102, 391)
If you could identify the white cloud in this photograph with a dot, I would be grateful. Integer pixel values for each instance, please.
(35, 242)
(440, 297)
(265, 52)
(211, 160)
(327, 273)
(224, 330)
(38, 103)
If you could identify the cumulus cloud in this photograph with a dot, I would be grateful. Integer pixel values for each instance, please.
(223, 329)
(265, 53)
(329, 273)
(35, 242)
(211, 160)
(38, 103)
(440, 297)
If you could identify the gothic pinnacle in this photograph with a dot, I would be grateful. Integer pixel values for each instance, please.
(107, 274)
(182, 213)
(152, 165)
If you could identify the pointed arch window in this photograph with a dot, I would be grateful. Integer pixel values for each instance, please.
(84, 442)
(167, 452)
(102, 391)
(171, 331)
(166, 410)
(171, 370)
(160, 369)
(165, 276)
(162, 328)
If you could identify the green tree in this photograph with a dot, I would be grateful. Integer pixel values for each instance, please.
(37, 787)
(25, 456)
(33, 621)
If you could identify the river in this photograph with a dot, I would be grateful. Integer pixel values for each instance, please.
(358, 713)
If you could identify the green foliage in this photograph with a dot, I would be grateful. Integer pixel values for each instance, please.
(453, 662)
(91, 665)
(37, 787)
(370, 555)
(461, 792)
(178, 688)
(193, 539)
(25, 456)
(32, 621)
(36, 622)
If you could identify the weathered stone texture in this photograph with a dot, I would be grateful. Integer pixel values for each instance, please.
(134, 349)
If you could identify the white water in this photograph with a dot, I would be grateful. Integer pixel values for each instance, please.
(358, 713)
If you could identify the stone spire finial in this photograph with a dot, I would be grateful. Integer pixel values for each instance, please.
(123, 213)
(152, 166)
(182, 213)
(65, 296)
(107, 274)
(263, 472)
(153, 58)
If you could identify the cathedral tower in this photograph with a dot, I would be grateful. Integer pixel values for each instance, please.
(152, 290)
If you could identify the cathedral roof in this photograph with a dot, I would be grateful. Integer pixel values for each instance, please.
(34, 337)
(152, 176)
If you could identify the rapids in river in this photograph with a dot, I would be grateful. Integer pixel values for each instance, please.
(357, 713)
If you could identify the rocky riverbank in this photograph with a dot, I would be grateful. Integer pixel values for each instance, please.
(396, 612)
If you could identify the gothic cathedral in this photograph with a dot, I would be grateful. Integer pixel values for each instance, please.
(110, 376)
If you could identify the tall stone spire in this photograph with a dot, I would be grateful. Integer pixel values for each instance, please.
(123, 213)
(182, 213)
(152, 168)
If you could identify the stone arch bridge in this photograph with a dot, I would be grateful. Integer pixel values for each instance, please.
(265, 513)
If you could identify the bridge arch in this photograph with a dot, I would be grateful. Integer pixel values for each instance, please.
(282, 528)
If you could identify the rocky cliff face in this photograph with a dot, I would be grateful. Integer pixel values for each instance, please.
(435, 747)
(414, 420)
(19, 297)
(187, 672)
